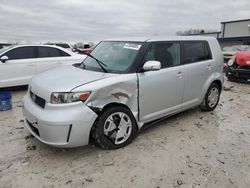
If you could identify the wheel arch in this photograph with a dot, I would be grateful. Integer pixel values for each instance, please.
(218, 82)
(99, 111)
(214, 78)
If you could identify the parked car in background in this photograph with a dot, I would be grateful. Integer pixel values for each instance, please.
(122, 85)
(230, 51)
(238, 68)
(86, 49)
(18, 63)
(63, 45)
(2, 45)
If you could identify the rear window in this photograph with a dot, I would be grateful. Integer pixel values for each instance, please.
(50, 52)
(195, 51)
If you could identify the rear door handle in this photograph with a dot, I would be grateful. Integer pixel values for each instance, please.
(209, 67)
(179, 74)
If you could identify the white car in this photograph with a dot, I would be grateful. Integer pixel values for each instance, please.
(18, 63)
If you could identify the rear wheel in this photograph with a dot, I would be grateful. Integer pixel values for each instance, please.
(211, 98)
(115, 128)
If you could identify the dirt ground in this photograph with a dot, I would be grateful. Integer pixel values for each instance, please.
(192, 149)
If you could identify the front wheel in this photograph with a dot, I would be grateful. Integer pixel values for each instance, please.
(115, 128)
(211, 98)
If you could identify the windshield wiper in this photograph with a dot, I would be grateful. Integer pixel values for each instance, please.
(101, 64)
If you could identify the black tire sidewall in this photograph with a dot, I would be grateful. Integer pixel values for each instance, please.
(102, 139)
(206, 107)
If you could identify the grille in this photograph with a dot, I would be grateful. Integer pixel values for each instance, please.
(34, 129)
(244, 75)
(38, 100)
(245, 67)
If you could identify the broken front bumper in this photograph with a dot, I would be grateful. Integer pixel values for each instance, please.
(60, 125)
(238, 73)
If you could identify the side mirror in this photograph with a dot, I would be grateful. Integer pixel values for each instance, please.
(152, 66)
(4, 58)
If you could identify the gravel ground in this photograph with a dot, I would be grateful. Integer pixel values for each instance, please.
(192, 149)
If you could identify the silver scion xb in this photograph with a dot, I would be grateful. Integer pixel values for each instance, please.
(120, 86)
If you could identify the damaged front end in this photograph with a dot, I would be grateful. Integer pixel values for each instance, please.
(114, 90)
(238, 68)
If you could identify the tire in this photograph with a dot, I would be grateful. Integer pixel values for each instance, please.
(109, 133)
(207, 104)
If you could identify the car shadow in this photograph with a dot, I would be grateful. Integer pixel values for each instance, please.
(165, 120)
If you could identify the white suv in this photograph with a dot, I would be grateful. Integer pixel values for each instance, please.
(18, 63)
(120, 86)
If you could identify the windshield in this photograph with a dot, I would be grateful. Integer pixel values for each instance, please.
(236, 48)
(117, 56)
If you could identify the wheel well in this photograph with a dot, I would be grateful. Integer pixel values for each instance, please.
(100, 111)
(111, 105)
(218, 82)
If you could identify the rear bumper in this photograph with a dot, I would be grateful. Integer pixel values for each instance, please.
(64, 125)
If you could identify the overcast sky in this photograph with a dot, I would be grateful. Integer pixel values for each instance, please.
(94, 20)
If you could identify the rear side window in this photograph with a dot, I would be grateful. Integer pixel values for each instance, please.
(50, 52)
(63, 53)
(167, 53)
(21, 53)
(195, 51)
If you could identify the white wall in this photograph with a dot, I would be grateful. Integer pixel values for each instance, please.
(236, 29)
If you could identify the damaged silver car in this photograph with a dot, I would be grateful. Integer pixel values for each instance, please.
(122, 85)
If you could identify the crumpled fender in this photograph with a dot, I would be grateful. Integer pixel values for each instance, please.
(120, 89)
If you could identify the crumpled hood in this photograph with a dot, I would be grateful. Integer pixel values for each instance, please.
(62, 79)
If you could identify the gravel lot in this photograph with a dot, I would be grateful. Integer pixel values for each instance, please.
(191, 149)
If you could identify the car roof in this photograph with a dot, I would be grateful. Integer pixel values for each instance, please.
(42, 45)
(161, 38)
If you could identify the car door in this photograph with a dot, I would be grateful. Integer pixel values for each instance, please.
(19, 68)
(161, 92)
(198, 65)
(50, 57)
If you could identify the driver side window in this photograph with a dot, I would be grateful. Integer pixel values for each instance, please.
(167, 53)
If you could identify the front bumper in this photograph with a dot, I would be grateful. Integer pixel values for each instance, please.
(238, 73)
(60, 125)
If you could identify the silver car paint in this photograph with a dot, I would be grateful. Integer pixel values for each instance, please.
(54, 122)
(161, 93)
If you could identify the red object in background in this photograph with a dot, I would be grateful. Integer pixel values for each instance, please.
(242, 58)
(86, 50)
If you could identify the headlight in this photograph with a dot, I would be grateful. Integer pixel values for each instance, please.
(58, 98)
(230, 62)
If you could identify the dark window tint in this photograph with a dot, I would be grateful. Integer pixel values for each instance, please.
(63, 53)
(167, 53)
(21, 53)
(63, 45)
(195, 51)
(86, 46)
(50, 52)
